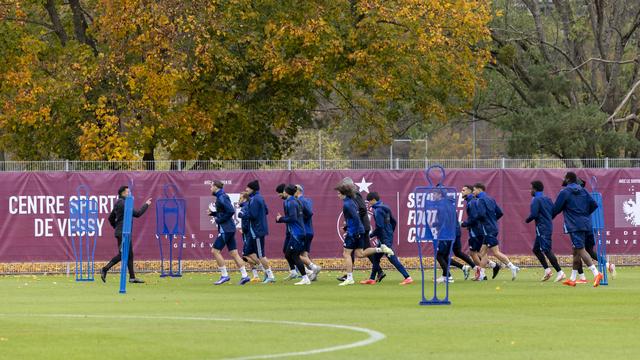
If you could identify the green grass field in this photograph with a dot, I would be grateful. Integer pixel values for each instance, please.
(52, 317)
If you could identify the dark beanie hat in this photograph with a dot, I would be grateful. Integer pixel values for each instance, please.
(280, 188)
(254, 185)
(291, 189)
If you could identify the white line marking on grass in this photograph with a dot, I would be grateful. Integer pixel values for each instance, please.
(374, 336)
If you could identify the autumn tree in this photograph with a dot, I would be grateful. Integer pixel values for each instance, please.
(229, 79)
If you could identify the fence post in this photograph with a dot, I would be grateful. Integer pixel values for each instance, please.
(289, 164)
(503, 163)
(66, 165)
(179, 165)
(606, 162)
(397, 163)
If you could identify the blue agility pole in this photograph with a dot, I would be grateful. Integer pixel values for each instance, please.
(436, 223)
(170, 222)
(83, 230)
(126, 239)
(599, 233)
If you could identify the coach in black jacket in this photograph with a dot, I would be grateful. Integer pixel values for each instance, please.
(116, 219)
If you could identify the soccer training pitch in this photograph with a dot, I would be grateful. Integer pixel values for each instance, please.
(53, 317)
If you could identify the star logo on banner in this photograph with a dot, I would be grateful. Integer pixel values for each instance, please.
(363, 185)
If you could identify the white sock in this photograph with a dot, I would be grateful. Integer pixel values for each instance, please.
(482, 275)
(560, 272)
(269, 273)
(511, 266)
(313, 266)
(349, 276)
(492, 264)
(574, 274)
(547, 271)
(306, 269)
(594, 270)
(260, 267)
(223, 271)
(255, 273)
(305, 278)
(378, 250)
(294, 272)
(243, 271)
(582, 277)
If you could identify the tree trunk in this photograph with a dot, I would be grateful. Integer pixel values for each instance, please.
(58, 28)
(80, 25)
(149, 159)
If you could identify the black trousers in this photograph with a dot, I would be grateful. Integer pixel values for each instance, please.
(293, 257)
(116, 259)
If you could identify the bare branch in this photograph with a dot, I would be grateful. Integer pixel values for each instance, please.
(630, 117)
(598, 60)
(582, 78)
(624, 102)
(29, 21)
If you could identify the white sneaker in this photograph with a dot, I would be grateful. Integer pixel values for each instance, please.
(450, 280)
(347, 282)
(290, 276)
(316, 271)
(466, 270)
(514, 272)
(612, 269)
(304, 281)
(441, 280)
(386, 250)
(561, 276)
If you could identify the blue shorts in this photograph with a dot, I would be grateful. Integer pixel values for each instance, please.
(490, 241)
(293, 244)
(542, 243)
(307, 242)
(475, 243)
(578, 239)
(445, 246)
(253, 246)
(225, 239)
(589, 241)
(354, 242)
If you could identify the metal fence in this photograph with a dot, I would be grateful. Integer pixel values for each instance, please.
(291, 164)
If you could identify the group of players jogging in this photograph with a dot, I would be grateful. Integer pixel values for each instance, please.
(482, 215)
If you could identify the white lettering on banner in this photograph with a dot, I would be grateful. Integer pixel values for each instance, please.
(105, 202)
(43, 227)
(55, 205)
(416, 219)
(65, 229)
(38, 204)
(43, 204)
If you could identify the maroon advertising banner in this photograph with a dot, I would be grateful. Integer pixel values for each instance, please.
(35, 208)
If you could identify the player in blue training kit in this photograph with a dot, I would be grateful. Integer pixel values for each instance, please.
(223, 215)
(294, 242)
(577, 205)
(354, 239)
(589, 244)
(255, 214)
(541, 207)
(475, 236)
(243, 205)
(385, 226)
(488, 215)
(307, 214)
